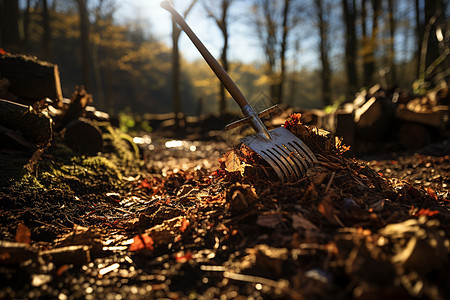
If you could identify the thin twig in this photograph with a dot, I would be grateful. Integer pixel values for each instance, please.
(330, 181)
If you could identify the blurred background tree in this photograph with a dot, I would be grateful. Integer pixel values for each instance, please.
(313, 52)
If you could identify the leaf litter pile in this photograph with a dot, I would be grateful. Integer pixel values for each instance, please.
(112, 227)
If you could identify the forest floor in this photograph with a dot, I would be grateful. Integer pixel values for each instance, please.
(182, 224)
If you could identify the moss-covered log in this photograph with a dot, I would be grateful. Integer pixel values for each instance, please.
(35, 126)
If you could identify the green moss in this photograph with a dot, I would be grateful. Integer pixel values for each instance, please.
(121, 149)
(102, 168)
(60, 169)
(11, 169)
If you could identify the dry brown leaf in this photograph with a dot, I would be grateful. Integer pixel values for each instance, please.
(23, 234)
(327, 209)
(299, 221)
(233, 162)
(269, 220)
(142, 241)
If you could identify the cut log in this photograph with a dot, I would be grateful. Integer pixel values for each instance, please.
(12, 253)
(36, 127)
(345, 128)
(77, 107)
(77, 255)
(84, 137)
(31, 79)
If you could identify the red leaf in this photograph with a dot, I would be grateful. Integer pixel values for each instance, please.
(432, 193)
(182, 258)
(23, 234)
(145, 184)
(294, 119)
(184, 225)
(142, 241)
(426, 212)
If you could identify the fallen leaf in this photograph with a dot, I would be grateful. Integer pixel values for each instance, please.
(144, 184)
(62, 269)
(182, 257)
(232, 162)
(326, 208)
(269, 220)
(142, 241)
(426, 212)
(23, 234)
(299, 221)
(432, 193)
(184, 225)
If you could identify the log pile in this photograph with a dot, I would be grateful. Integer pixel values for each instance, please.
(32, 108)
(394, 117)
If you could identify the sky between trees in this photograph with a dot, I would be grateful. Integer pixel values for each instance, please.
(308, 53)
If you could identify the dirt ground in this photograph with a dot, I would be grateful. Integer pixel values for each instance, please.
(180, 224)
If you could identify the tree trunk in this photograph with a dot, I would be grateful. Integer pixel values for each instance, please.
(371, 45)
(420, 28)
(391, 54)
(9, 25)
(34, 126)
(369, 42)
(284, 42)
(46, 35)
(323, 45)
(26, 25)
(434, 18)
(176, 31)
(85, 42)
(176, 72)
(349, 10)
(223, 25)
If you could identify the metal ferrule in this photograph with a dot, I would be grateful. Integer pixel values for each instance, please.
(257, 124)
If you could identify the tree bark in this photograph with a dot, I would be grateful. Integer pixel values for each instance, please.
(176, 71)
(434, 18)
(369, 41)
(420, 28)
(26, 25)
(284, 44)
(9, 25)
(349, 10)
(391, 54)
(46, 35)
(323, 48)
(34, 126)
(223, 25)
(176, 85)
(85, 43)
(266, 26)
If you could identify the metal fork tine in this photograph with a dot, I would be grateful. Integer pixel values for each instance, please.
(299, 156)
(275, 164)
(290, 172)
(292, 161)
(286, 154)
(283, 165)
(308, 154)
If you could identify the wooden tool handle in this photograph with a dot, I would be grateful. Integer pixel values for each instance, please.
(223, 76)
